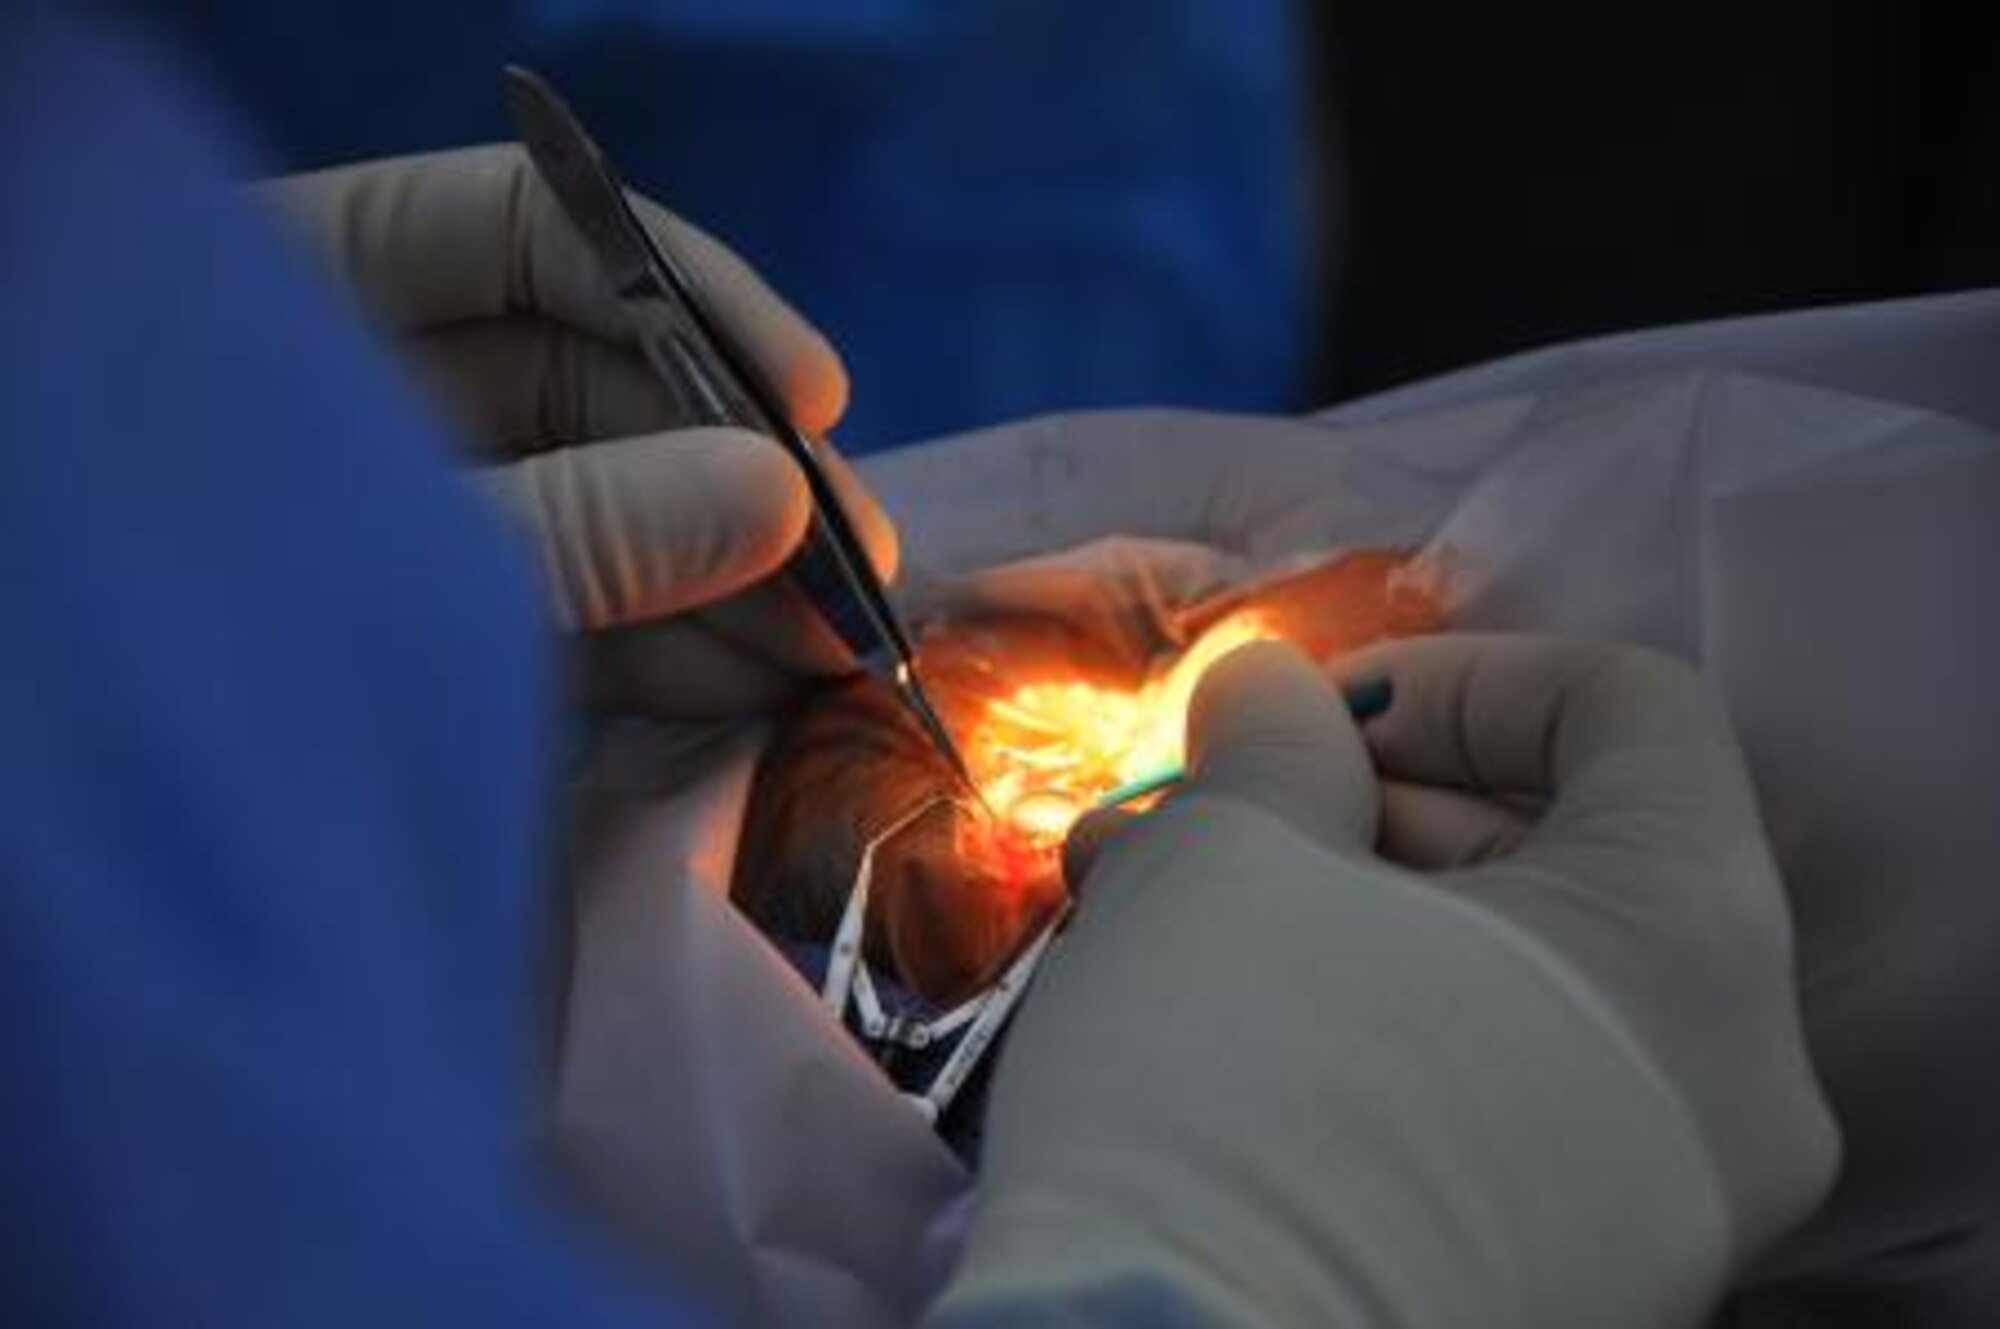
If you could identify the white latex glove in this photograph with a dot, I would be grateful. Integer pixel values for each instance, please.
(1269, 1078)
(466, 259)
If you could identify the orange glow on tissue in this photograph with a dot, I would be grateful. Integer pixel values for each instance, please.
(1044, 753)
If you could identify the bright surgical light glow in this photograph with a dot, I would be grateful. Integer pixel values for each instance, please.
(1044, 753)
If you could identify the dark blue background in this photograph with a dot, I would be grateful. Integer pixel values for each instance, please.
(995, 207)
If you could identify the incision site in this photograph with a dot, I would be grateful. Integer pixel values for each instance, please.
(1051, 714)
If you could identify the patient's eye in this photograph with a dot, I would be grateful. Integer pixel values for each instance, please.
(1051, 714)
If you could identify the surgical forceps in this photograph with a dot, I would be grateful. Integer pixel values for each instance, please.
(714, 381)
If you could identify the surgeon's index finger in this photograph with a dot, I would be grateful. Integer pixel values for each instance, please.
(1617, 736)
(634, 529)
(449, 237)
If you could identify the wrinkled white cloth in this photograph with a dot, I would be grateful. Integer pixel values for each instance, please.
(1823, 555)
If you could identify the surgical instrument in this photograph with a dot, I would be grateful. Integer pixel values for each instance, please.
(716, 381)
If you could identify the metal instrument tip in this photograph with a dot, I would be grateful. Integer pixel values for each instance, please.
(940, 737)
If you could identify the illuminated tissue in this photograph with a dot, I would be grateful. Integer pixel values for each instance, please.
(1051, 716)
(1045, 753)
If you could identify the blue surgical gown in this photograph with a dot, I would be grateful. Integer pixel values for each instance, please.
(273, 738)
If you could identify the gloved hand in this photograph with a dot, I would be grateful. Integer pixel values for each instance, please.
(466, 259)
(1269, 1078)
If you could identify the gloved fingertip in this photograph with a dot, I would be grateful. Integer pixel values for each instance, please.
(815, 384)
(1251, 697)
(871, 522)
(1400, 674)
(795, 356)
(1267, 728)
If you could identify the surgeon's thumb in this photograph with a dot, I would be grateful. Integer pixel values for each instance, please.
(633, 529)
(1268, 729)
